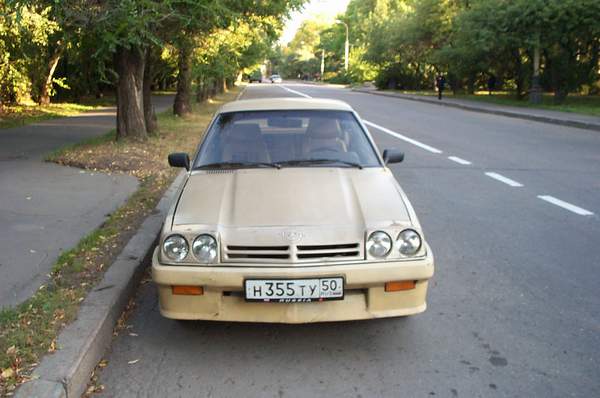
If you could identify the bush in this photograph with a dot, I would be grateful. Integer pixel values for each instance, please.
(340, 78)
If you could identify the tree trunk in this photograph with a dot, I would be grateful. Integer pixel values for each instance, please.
(149, 112)
(230, 83)
(199, 90)
(130, 93)
(182, 104)
(519, 75)
(563, 62)
(47, 83)
(205, 89)
(213, 88)
(535, 94)
(471, 84)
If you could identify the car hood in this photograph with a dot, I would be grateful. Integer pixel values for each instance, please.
(292, 197)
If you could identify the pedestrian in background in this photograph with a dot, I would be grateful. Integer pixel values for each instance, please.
(491, 84)
(440, 84)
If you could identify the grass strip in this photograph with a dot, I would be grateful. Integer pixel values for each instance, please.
(29, 331)
(24, 114)
(582, 104)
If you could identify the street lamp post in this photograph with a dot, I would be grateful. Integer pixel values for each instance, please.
(346, 45)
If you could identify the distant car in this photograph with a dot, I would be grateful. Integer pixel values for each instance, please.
(255, 76)
(276, 79)
(288, 213)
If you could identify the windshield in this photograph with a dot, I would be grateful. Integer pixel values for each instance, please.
(306, 138)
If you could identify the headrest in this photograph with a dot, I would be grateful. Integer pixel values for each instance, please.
(322, 128)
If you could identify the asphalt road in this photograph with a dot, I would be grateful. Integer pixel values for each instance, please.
(46, 208)
(514, 307)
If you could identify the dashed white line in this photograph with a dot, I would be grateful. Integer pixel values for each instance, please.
(403, 137)
(503, 179)
(459, 160)
(241, 93)
(496, 176)
(296, 92)
(566, 205)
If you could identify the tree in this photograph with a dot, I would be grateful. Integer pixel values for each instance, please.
(222, 15)
(25, 32)
(406, 42)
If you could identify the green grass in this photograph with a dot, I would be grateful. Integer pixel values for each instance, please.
(164, 92)
(582, 104)
(23, 114)
(585, 105)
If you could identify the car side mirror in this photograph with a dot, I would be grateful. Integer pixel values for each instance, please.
(179, 159)
(392, 156)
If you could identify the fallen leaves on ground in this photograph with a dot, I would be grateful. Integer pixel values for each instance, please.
(8, 373)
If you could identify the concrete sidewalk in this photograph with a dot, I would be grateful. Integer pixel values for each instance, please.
(540, 115)
(46, 208)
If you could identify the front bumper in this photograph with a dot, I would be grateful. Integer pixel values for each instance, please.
(223, 298)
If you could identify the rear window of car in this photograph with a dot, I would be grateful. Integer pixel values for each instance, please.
(286, 136)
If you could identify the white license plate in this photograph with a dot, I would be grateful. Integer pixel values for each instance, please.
(294, 290)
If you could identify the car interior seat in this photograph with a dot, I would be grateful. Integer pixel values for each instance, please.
(243, 142)
(323, 135)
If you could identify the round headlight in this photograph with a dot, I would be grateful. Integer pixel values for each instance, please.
(409, 242)
(379, 244)
(175, 247)
(205, 248)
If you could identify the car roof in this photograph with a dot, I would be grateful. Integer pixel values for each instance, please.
(284, 103)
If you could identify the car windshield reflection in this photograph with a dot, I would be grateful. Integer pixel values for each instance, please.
(288, 138)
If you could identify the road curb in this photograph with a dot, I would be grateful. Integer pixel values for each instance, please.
(83, 343)
(517, 115)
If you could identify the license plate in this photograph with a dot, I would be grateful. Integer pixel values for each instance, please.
(294, 290)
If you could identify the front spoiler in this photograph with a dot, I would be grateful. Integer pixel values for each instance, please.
(223, 300)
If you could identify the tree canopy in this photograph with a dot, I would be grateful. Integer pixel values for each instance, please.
(406, 43)
(74, 48)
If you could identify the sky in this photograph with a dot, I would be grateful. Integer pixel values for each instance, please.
(327, 8)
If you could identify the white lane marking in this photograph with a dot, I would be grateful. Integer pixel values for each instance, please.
(241, 93)
(566, 205)
(295, 92)
(496, 176)
(385, 130)
(459, 160)
(403, 137)
(503, 179)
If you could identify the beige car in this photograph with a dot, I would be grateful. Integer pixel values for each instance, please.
(289, 214)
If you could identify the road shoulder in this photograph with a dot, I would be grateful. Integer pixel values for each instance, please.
(538, 115)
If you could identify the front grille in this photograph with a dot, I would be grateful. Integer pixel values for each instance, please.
(327, 251)
(238, 252)
(289, 254)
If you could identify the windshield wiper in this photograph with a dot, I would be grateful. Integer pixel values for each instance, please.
(234, 165)
(298, 162)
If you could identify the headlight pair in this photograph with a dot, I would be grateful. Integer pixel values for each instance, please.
(379, 243)
(204, 248)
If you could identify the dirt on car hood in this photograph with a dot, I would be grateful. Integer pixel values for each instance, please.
(292, 197)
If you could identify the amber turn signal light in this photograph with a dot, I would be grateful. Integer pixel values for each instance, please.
(399, 285)
(188, 290)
